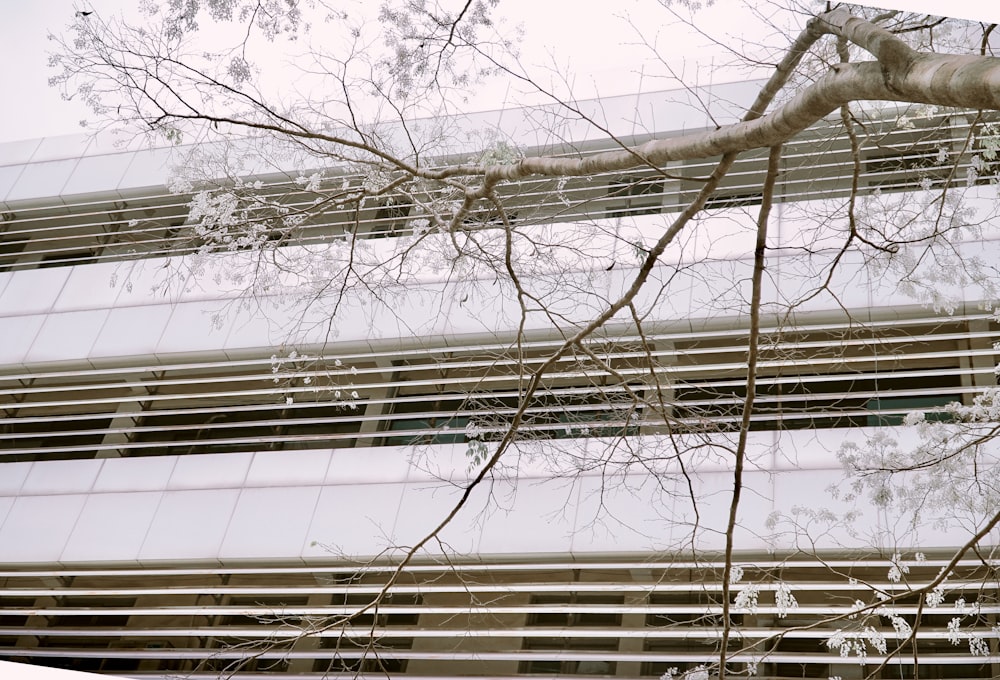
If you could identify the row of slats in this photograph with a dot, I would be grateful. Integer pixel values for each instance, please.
(521, 616)
(817, 165)
(819, 376)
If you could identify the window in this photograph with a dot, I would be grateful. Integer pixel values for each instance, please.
(15, 620)
(740, 200)
(811, 646)
(689, 611)
(10, 248)
(687, 608)
(906, 404)
(376, 661)
(274, 605)
(391, 217)
(590, 666)
(97, 618)
(222, 430)
(587, 610)
(40, 436)
(928, 649)
(911, 167)
(572, 610)
(364, 655)
(376, 616)
(65, 259)
(429, 422)
(635, 196)
(555, 415)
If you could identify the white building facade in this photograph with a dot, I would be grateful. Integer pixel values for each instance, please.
(188, 481)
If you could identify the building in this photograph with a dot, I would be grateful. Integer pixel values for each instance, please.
(183, 486)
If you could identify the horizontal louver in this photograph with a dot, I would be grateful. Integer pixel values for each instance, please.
(623, 618)
(818, 376)
(816, 165)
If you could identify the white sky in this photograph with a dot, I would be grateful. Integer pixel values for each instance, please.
(604, 57)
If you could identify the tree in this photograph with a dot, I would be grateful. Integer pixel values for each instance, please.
(452, 207)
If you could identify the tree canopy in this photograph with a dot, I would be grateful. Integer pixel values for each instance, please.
(380, 134)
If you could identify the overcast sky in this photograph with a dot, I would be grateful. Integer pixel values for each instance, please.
(603, 57)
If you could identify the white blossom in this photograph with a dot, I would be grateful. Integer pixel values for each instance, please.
(935, 597)
(784, 600)
(898, 568)
(955, 631)
(698, 673)
(978, 646)
(747, 598)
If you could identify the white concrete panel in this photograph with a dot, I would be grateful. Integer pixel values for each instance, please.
(643, 513)
(9, 174)
(149, 167)
(114, 142)
(630, 513)
(270, 523)
(370, 465)
(805, 524)
(210, 471)
(193, 328)
(6, 503)
(146, 473)
(150, 281)
(492, 312)
(353, 521)
(61, 147)
(132, 331)
(719, 288)
(897, 534)
(61, 476)
(529, 517)
(212, 276)
(12, 476)
(111, 527)
(97, 174)
(42, 180)
(256, 157)
(88, 287)
(673, 303)
(415, 312)
(849, 285)
(18, 333)
(672, 110)
(810, 449)
(67, 336)
(21, 151)
(189, 525)
(714, 492)
(269, 327)
(424, 505)
(443, 317)
(288, 468)
(441, 462)
(5, 278)
(37, 528)
(617, 114)
(729, 102)
(33, 291)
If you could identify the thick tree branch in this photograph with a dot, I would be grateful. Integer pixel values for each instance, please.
(943, 80)
(773, 166)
